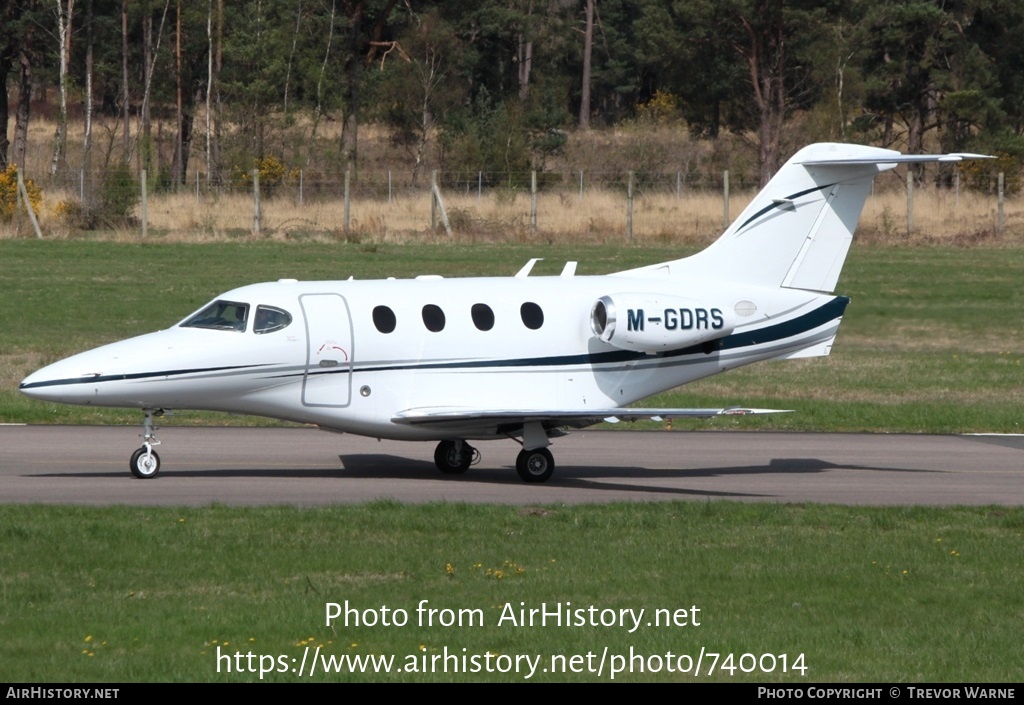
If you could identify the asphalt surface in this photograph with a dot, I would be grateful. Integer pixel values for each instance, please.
(306, 467)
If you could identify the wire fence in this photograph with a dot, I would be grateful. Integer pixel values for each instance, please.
(631, 205)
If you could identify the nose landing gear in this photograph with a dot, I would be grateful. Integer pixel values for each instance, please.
(145, 463)
(455, 457)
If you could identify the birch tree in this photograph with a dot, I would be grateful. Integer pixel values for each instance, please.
(65, 14)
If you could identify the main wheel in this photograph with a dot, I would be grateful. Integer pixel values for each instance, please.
(144, 465)
(535, 465)
(451, 459)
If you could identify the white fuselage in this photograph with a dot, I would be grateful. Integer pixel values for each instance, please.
(523, 343)
(521, 357)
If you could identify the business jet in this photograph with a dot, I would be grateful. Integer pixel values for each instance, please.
(527, 358)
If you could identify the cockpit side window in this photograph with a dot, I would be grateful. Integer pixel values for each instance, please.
(269, 319)
(221, 315)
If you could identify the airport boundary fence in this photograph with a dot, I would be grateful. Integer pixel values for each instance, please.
(572, 204)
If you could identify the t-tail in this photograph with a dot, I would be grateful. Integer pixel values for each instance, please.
(796, 232)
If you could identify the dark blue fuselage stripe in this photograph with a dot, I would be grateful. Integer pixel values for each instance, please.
(135, 375)
(809, 321)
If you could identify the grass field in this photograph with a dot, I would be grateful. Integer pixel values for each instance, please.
(932, 342)
(815, 593)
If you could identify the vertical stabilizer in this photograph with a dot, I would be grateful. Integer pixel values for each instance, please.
(797, 231)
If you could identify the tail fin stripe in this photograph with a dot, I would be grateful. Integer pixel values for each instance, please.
(780, 203)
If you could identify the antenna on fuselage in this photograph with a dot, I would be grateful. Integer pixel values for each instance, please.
(525, 271)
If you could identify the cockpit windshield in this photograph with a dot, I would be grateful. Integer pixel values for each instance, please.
(220, 315)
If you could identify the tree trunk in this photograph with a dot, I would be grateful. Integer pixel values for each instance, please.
(525, 66)
(6, 64)
(148, 71)
(209, 82)
(218, 64)
(87, 139)
(766, 61)
(588, 50)
(64, 38)
(179, 142)
(291, 56)
(319, 88)
(124, 81)
(350, 128)
(21, 116)
(147, 154)
(8, 50)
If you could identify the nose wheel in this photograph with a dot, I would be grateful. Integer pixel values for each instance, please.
(455, 457)
(145, 463)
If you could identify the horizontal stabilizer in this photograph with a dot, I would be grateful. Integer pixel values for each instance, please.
(892, 158)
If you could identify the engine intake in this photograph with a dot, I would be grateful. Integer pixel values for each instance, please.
(654, 323)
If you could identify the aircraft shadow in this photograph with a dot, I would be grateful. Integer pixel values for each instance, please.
(382, 466)
(597, 477)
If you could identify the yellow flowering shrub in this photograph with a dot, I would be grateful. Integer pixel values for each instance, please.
(662, 108)
(272, 171)
(9, 193)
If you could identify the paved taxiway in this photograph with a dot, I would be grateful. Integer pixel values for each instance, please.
(306, 467)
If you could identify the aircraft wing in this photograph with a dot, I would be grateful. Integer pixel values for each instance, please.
(449, 417)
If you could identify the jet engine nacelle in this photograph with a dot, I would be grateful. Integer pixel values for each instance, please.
(654, 323)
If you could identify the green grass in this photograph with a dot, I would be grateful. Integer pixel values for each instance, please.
(933, 340)
(865, 594)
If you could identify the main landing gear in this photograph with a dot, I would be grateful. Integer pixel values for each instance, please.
(145, 463)
(535, 465)
(455, 457)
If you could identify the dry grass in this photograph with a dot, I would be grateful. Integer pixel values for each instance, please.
(695, 219)
(657, 154)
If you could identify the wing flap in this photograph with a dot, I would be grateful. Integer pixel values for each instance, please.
(446, 417)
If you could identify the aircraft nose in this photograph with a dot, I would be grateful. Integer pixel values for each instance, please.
(58, 382)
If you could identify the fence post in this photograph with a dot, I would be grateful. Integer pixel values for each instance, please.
(679, 185)
(1001, 183)
(301, 184)
(629, 207)
(533, 202)
(348, 199)
(433, 201)
(725, 199)
(145, 203)
(910, 202)
(479, 185)
(438, 202)
(256, 201)
(23, 192)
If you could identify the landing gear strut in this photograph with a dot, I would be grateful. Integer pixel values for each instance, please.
(455, 457)
(145, 463)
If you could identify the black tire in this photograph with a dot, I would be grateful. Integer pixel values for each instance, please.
(535, 465)
(450, 460)
(144, 466)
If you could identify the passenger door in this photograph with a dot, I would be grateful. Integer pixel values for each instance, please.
(328, 377)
